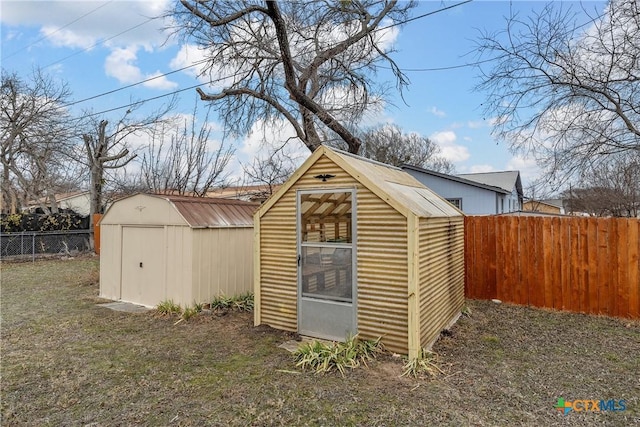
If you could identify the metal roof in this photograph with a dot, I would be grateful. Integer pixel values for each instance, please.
(507, 180)
(391, 184)
(456, 178)
(205, 212)
(400, 185)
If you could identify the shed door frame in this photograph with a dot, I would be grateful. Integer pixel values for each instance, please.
(327, 309)
(138, 265)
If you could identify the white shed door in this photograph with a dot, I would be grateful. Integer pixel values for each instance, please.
(143, 265)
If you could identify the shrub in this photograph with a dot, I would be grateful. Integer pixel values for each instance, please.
(243, 302)
(350, 354)
(425, 364)
(168, 307)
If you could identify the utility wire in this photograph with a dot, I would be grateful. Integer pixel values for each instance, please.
(137, 83)
(100, 42)
(204, 61)
(226, 77)
(56, 31)
(424, 15)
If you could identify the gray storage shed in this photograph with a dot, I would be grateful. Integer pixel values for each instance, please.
(186, 249)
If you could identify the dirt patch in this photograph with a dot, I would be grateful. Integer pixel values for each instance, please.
(67, 362)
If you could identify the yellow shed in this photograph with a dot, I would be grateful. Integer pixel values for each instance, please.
(186, 249)
(351, 246)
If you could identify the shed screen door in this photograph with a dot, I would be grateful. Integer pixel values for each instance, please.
(326, 261)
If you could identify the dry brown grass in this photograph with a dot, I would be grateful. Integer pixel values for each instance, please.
(66, 361)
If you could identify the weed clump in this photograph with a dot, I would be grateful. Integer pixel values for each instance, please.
(169, 308)
(337, 356)
(243, 302)
(426, 364)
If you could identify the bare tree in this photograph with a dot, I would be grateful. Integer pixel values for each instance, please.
(184, 159)
(271, 170)
(108, 147)
(35, 137)
(388, 144)
(310, 63)
(611, 189)
(566, 93)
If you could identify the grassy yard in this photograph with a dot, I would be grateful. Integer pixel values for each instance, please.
(66, 361)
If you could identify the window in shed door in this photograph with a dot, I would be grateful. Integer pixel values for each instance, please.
(326, 217)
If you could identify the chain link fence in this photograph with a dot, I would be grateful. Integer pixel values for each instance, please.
(33, 244)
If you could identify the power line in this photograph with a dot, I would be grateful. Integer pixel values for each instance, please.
(203, 61)
(56, 31)
(136, 84)
(144, 100)
(100, 42)
(226, 77)
(424, 15)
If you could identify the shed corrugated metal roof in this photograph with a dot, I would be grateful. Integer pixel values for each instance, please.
(400, 185)
(205, 212)
(393, 185)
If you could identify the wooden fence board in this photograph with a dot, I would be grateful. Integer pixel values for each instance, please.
(592, 279)
(587, 265)
(622, 291)
(634, 269)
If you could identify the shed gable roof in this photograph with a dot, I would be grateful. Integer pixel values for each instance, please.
(204, 212)
(393, 185)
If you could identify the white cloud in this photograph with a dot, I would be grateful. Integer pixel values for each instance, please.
(120, 64)
(119, 23)
(436, 112)
(67, 38)
(476, 124)
(188, 55)
(450, 150)
(481, 168)
(265, 137)
(159, 81)
(529, 169)
(388, 36)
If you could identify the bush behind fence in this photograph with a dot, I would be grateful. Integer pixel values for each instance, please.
(31, 244)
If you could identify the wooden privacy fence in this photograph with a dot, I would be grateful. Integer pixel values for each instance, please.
(587, 265)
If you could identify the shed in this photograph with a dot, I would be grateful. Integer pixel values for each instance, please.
(186, 249)
(351, 246)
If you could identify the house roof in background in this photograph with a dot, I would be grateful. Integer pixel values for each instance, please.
(243, 191)
(207, 212)
(558, 203)
(60, 197)
(456, 179)
(506, 180)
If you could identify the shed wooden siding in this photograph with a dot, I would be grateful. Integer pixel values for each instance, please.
(382, 272)
(382, 296)
(278, 264)
(441, 249)
(222, 263)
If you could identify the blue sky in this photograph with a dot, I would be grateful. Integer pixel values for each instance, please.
(100, 46)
